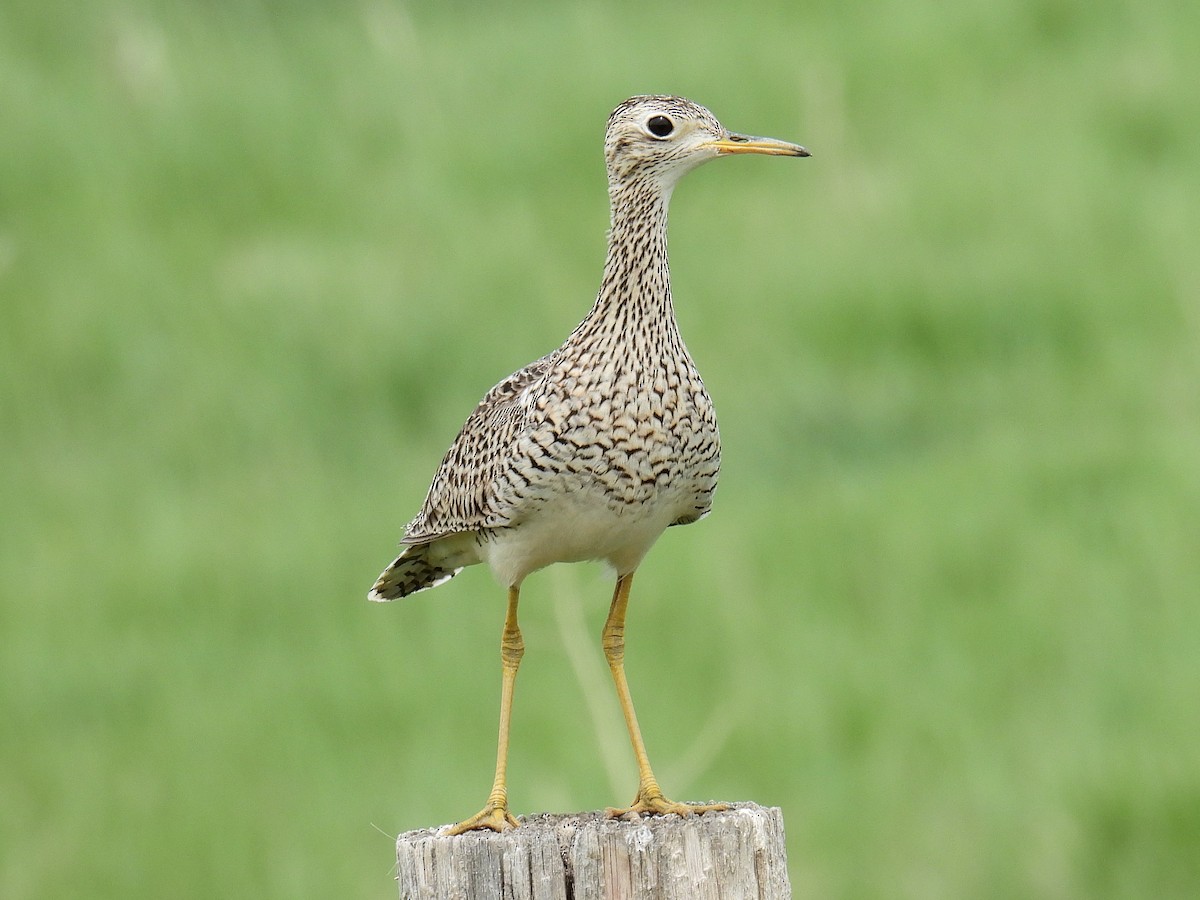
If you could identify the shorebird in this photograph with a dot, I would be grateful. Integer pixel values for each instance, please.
(592, 451)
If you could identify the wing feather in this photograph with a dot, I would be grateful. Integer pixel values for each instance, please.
(466, 491)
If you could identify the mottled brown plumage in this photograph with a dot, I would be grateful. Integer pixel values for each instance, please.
(592, 451)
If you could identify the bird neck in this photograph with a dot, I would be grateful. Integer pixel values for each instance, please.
(634, 301)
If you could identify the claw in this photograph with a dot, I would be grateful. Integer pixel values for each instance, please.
(493, 816)
(655, 804)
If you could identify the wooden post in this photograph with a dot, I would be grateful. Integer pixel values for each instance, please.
(734, 855)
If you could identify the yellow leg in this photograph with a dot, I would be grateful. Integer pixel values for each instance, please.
(649, 797)
(495, 814)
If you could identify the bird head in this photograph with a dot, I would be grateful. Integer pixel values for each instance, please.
(659, 138)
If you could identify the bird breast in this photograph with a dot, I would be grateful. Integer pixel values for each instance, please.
(612, 457)
(640, 435)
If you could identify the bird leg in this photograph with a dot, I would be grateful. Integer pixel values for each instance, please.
(495, 814)
(649, 799)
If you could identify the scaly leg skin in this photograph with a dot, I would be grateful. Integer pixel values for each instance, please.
(649, 799)
(495, 814)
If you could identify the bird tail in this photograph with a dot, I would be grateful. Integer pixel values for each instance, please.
(415, 569)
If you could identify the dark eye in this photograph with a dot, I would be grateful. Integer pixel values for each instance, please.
(660, 126)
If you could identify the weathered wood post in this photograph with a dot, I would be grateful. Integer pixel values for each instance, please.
(738, 854)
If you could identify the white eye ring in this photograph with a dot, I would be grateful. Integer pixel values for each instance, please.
(660, 126)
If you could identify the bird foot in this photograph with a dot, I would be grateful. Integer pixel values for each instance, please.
(494, 816)
(655, 804)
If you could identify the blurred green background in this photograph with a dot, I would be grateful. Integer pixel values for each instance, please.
(259, 260)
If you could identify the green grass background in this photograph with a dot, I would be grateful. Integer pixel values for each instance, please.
(259, 260)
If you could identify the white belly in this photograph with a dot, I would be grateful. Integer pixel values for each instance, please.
(572, 527)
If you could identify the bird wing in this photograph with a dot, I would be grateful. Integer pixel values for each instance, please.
(466, 492)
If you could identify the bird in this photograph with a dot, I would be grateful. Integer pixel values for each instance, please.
(594, 450)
